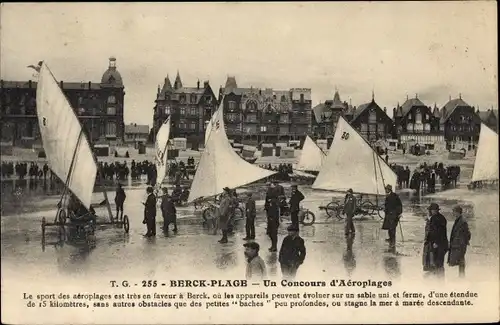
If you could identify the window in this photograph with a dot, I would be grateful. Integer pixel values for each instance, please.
(381, 128)
(192, 126)
(111, 110)
(252, 118)
(167, 110)
(284, 118)
(208, 99)
(301, 98)
(182, 125)
(193, 99)
(111, 129)
(232, 117)
(232, 105)
(80, 100)
(192, 111)
(364, 127)
(183, 111)
(418, 117)
(372, 118)
(372, 128)
(182, 98)
(167, 97)
(263, 128)
(111, 99)
(251, 105)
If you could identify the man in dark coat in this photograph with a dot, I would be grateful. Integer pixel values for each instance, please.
(272, 209)
(295, 200)
(223, 214)
(168, 211)
(150, 213)
(459, 240)
(250, 213)
(393, 209)
(436, 241)
(292, 252)
(119, 200)
(349, 210)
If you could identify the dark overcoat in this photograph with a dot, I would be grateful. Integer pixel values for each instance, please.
(459, 240)
(392, 209)
(223, 212)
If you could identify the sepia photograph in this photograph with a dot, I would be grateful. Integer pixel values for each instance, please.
(249, 162)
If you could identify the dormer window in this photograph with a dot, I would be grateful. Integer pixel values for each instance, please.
(193, 99)
(111, 99)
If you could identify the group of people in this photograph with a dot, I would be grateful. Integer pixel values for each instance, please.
(168, 211)
(425, 176)
(283, 171)
(24, 169)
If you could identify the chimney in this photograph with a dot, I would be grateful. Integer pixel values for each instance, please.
(198, 84)
(90, 85)
(260, 91)
(205, 84)
(61, 84)
(394, 112)
(29, 83)
(385, 110)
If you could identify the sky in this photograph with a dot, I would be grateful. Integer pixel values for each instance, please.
(435, 50)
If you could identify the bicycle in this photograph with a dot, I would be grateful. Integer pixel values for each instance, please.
(365, 207)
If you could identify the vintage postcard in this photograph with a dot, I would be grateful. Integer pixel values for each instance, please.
(249, 163)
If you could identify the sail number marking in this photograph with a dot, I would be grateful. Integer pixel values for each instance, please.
(44, 121)
(345, 136)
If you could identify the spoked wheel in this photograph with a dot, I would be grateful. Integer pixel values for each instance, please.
(333, 209)
(126, 224)
(208, 214)
(238, 214)
(309, 218)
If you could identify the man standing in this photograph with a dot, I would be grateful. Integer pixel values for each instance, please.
(250, 213)
(459, 240)
(168, 211)
(435, 242)
(256, 268)
(223, 214)
(295, 200)
(150, 213)
(272, 209)
(393, 209)
(119, 200)
(292, 252)
(349, 210)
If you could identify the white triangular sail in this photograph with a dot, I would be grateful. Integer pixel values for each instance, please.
(161, 148)
(312, 157)
(486, 163)
(220, 166)
(66, 147)
(352, 163)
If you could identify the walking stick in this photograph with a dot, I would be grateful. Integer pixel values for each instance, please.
(401, 230)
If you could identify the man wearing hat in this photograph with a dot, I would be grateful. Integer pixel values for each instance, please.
(119, 200)
(292, 252)
(223, 212)
(350, 207)
(272, 210)
(435, 242)
(250, 213)
(150, 212)
(295, 200)
(256, 268)
(459, 240)
(168, 211)
(393, 209)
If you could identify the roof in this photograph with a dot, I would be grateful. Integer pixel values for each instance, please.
(450, 107)
(66, 85)
(136, 129)
(318, 112)
(484, 115)
(408, 105)
(337, 103)
(360, 109)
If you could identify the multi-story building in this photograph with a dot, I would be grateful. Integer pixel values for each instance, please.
(135, 134)
(326, 116)
(254, 115)
(489, 117)
(460, 123)
(99, 107)
(189, 107)
(417, 123)
(372, 122)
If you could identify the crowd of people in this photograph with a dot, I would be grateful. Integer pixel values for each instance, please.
(424, 177)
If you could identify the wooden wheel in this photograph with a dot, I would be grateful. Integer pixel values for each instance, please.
(308, 218)
(126, 224)
(333, 209)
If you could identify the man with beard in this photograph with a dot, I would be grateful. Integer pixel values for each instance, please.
(292, 252)
(168, 211)
(150, 213)
(459, 240)
(223, 212)
(256, 268)
(435, 242)
(272, 209)
(119, 200)
(393, 209)
(350, 207)
(250, 213)
(295, 200)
